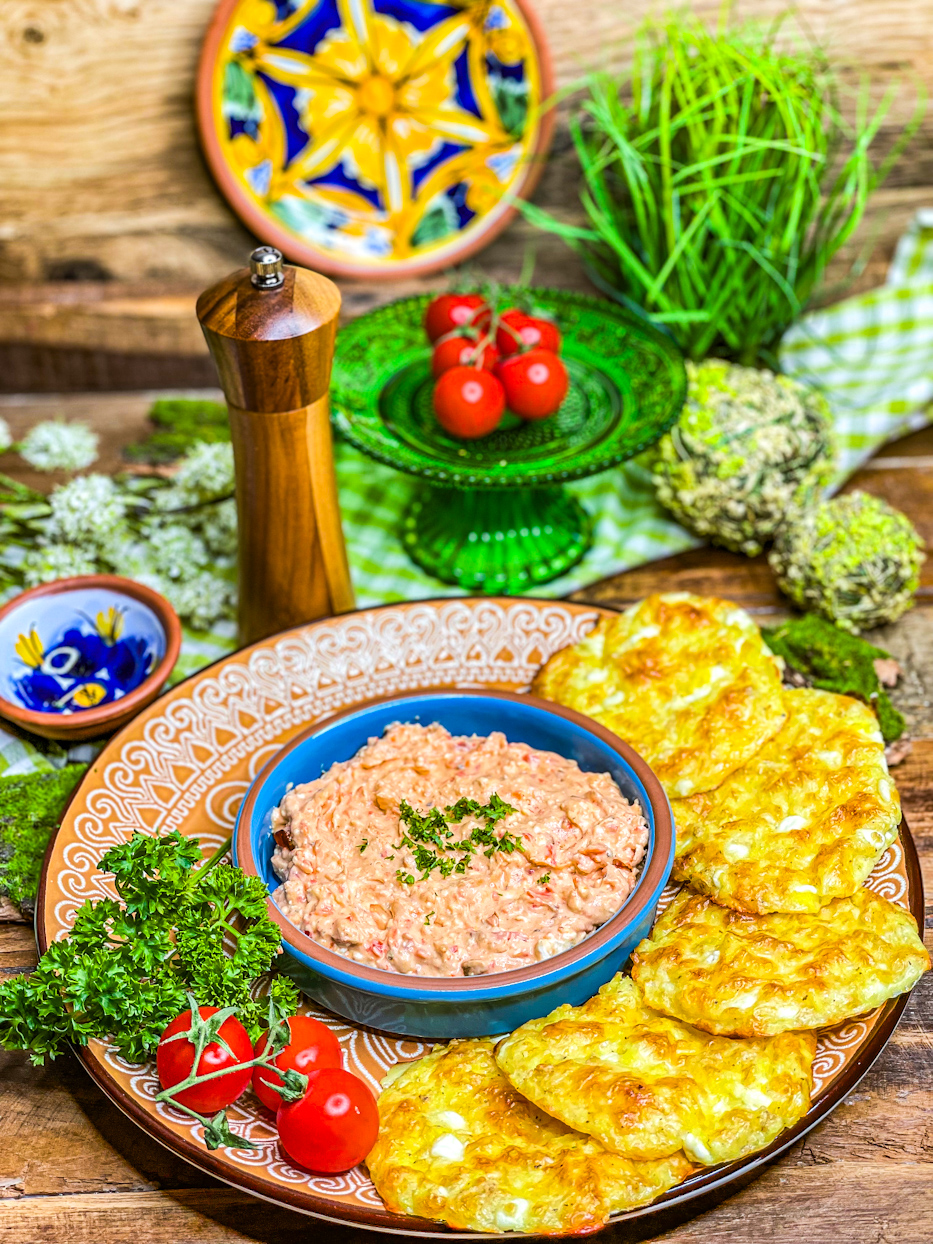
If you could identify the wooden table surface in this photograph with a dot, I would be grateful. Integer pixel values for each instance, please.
(73, 1170)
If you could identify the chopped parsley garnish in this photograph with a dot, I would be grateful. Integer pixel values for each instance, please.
(431, 840)
(363, 845)
(545, 879)
(404, 878)
(427, 918)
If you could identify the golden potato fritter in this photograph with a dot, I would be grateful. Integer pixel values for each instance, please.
(647, 1086)
(803, 822)
(739, 975)
(457, 1143)
(686, 680)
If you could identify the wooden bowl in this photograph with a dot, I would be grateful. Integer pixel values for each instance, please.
(80, 657)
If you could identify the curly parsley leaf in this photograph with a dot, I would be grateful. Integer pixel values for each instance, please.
(125, 970)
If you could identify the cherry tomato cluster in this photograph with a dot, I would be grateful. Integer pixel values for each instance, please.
(330, 1127)
(486, 361)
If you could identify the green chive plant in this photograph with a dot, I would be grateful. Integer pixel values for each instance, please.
(719, 179)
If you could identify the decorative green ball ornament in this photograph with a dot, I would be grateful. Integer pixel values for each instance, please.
(748, 447)
(855, 560)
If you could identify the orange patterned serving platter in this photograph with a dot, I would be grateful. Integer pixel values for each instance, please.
(185, 763)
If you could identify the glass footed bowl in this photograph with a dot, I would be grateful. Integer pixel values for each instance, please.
(493, 516)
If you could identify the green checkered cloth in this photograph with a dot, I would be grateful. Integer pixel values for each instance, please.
(870, 355)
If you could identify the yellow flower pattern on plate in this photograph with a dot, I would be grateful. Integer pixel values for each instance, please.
(377, 132)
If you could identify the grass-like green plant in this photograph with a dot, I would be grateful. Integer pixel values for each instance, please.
(719, 179)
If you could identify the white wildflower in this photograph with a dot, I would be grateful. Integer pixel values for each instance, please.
(202, 600)
(175, 551)
(164, 500)
(218, 528)
(88, 511)
(204, 474)
(46, 562)
(6, 436)
(56, 445)
(148, 578)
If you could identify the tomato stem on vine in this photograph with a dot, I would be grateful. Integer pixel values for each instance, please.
(201, 1033)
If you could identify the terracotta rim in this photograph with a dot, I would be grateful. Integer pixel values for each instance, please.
(714, 1180)
(652, 876)
(135, 699)
(320, 260)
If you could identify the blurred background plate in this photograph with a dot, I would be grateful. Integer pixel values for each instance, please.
(374, 138)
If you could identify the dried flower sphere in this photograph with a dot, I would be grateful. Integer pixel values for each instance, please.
(855, 560)
(748, 447)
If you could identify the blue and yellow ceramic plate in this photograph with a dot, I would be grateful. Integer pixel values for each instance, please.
(374, 138)
(80, 656)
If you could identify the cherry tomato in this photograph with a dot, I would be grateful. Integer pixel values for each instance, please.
(448, 312)
(468, 402)
(174, 1060)
(518, 331)
(463, 352)
(311, 1046)
(333, 1126)
(535, 383)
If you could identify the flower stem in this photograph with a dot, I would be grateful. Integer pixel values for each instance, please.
(216, 857)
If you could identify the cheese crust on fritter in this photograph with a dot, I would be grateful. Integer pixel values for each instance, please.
(686, 680)
(646, 1085)
(457, 1143)
(803, 822)
(740, 975)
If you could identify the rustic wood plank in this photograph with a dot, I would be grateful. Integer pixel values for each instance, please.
(119, 419)
(107, 205)
(842, 1201)
(17, 948)
(152, 320)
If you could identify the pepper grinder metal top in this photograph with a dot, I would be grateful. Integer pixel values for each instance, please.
(265, 268)
(271, 330)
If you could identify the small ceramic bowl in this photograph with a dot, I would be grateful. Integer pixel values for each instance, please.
(80, 657)
(442, 1007)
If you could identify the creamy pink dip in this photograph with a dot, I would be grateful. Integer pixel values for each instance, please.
(580, 844)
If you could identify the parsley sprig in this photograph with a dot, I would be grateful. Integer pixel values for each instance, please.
(128, 966)
(431, 829)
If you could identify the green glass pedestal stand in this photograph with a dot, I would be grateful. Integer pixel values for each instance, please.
(492, 515)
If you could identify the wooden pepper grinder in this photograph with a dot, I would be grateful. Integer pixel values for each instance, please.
(271, 331)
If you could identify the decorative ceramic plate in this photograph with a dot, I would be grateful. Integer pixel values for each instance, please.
(375, 138)
(185, 764)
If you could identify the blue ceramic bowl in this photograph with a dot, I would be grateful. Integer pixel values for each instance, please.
(80, 657)
(470, 1006)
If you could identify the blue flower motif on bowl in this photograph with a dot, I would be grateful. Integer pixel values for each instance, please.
(77, 651)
